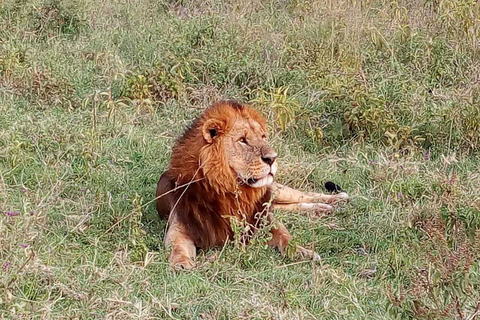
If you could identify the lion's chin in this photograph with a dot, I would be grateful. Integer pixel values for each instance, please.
(260, 183)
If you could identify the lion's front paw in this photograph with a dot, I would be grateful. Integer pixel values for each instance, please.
(180, 262)
(340, 197)
(343, 196)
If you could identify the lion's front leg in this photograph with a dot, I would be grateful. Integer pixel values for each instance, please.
(183, 250)
(280, 239)
(317, 208)
(290, 199)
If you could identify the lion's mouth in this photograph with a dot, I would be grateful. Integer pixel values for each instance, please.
(260, 182)
(255, 182)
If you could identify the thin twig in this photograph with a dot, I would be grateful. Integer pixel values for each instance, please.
(457, 307)
(170, 216)
(477, 311)
(174, 189)
(292, 264)
(20, 269)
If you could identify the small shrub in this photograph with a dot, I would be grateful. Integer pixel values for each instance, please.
(284, 106)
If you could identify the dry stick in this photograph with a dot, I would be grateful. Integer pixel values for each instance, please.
(156, 198)
(168, 312)
(51, 190)
(477, 309)
(223, 249)
(174, 189)
(119, 221)
(178, 200)
(457, 307)
(306, 177)
(82, 221)
(20, 269)
(450, 135)
(292, 264)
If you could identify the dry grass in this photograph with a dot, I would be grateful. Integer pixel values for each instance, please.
(379, 96)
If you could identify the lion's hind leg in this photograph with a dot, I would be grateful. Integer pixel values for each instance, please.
(182, 246)
(281, 238)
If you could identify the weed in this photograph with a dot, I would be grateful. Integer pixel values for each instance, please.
(284, 107)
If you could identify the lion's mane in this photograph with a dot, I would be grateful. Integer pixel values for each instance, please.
(204, 184)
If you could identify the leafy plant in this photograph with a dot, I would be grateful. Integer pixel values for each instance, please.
(284, 106)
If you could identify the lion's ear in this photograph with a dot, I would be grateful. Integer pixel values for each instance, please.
(211, 129)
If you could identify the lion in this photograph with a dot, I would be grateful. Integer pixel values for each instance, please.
(222, 168)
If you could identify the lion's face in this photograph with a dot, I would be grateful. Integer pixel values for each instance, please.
(247, 152)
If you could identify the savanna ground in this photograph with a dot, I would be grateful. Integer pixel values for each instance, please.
(379, 96)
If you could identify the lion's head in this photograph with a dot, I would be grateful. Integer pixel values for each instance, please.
(229, 146)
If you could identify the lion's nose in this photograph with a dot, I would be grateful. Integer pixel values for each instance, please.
(269, 158)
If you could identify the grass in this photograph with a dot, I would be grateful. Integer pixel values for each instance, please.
(381, 97)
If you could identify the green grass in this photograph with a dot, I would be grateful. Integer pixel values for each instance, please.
(382, 97)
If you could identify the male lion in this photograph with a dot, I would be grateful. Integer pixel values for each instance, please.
(223, 167)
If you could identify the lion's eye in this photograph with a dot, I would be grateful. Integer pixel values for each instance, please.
(264, 137)
(243, 140)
